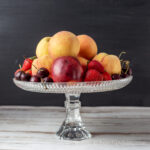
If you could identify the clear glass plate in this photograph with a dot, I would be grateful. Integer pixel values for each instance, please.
(72, 128)
(73, 87)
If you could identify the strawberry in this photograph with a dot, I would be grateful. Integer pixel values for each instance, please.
(29, 71)
(28, 63)
(106, 76)
(96, 65)
(93, 75)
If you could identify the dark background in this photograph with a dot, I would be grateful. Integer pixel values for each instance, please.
(116, 25)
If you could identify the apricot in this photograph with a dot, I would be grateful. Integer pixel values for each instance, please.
(111, 64)
(63, 43)
(41, 62)
(42, 47)
(100, 56)
(82, 61)
(88, 47)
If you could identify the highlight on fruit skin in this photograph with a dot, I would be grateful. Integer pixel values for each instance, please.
(63, 43)
(42, 47)
(88, 46)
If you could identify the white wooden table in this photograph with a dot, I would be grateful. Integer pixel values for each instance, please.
(33, 128)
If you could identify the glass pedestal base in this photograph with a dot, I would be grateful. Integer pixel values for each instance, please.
(73, 132)
(73, 128)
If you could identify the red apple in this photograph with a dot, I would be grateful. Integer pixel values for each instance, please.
(66, 69)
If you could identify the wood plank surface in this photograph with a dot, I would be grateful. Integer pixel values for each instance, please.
(23, 128)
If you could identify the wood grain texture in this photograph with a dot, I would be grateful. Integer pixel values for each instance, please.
(23, 128)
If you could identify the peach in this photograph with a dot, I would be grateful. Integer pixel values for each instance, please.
(111, 64)
(100, 56)
(63, 43)
(42, 47)
(88, 47)
(41, 62)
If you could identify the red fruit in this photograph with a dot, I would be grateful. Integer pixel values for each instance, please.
(17, 71)
(29, 72)
(35, 79)
(106, 76)
(96, 65)
(28, 63)
(93, 75)
(25, 76)
(47, 79)
(66, 69)
(18, 75)
(42, 73)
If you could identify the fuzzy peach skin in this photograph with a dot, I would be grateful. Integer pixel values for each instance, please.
(44, 61)
(111, 64)
(88, 47)
(42, 47)
(100, 56)
(63, 43)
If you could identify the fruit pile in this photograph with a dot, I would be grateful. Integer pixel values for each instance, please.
(65, 57)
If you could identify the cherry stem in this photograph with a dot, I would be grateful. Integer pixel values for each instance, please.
(121, 54)
(127, 64)
(20, 66)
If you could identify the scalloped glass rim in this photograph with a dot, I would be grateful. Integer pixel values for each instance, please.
(73, 87)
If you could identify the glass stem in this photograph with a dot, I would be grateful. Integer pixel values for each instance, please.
(72, 128)
(73, 105)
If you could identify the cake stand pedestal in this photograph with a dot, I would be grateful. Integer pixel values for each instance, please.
(73, 128)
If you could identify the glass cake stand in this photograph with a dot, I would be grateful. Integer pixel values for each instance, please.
(72, 128)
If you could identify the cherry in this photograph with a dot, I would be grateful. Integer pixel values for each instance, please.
(124, 75)
(42, 73)
(18, 75)
(127, 72)
(35, 79)
(115, 76)
(25, 76)
(47, 79)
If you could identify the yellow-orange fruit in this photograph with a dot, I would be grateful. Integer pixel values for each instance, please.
(42, 47)
(88, 47)
(111, 64)
(100, 56)
(83, 61)
(41, 62)
(63, 43)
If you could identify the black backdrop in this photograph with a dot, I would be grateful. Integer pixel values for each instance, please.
(116, 25)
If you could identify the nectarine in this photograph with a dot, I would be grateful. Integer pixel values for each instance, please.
(111, 64)
(63, 43)
(88, 47)
(100, 56)
(66, 69)
(42, 47)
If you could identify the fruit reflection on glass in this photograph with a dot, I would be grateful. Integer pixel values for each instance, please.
(70, 64)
